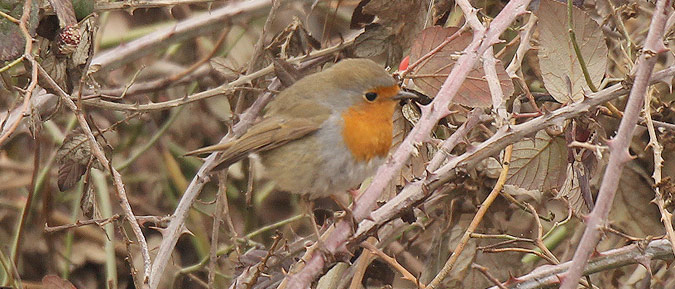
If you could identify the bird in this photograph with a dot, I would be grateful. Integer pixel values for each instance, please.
(324, 134)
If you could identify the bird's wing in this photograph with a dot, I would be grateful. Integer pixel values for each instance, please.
(267, 134)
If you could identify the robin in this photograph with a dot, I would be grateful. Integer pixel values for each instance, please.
(325, 133)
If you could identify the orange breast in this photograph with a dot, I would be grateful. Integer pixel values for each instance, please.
(368, 128)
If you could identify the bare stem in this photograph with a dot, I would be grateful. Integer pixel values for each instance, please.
(618, 146)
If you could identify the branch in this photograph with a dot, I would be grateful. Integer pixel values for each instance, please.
(618, 146)
(223, 89)
(175, 228)
(414, 192)
(97, 152)
(548, 276)
(191, 27)
(302, 275)
(28, 55)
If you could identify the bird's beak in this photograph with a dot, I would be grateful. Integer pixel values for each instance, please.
(404, 95)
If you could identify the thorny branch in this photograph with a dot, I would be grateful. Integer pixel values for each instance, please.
(657, 148)
(28, 55)
(303, 274)
(546, 276)
(97, 151)
(618, 146)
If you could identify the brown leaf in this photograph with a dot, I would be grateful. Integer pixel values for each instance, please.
(73, 157)
(55, 282)
(286, 72)
(87, 201)
(632, 211)
(430, 75)
(294, 40)
(394, 11)
(65, 58)
(539, 163)
(360, 19)
(13, 42)
(372, 42)
(398, 21)
(557, 59)
(64, 11)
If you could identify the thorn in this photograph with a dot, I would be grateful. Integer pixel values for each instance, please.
(186, 231)
(511, 280)
(625, 157)
(645, 262)
(158, 229)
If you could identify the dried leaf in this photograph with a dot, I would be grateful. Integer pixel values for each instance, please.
(83, 8)
(286, 72)
(294, 40)
(70, 173)
(557, 58)
(87, 201)
(372, 42)
(395, 11)
(538, 163)
(73, 157)
(64, 11)
(13, 42)
(360, 19)
(632, 211)
(398, 22)
(378, 272)
(571, 191)
(430, 75)
(55, 282)
(65, 58)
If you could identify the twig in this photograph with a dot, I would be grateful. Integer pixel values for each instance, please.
(78, 223)
(618, 146)
(205, 23)
(245, 240)
(9, 17)
(27, 208)
(449, 264)
(225, 88)
(177, 224)
(361, 265)
(97, 152)
(416, 191)
(616, 15)
(484, 271)
(138, 4)
(179, 77)
(577, 51)
(431, 53)
(539, 240)
(28, 55)
(547, 276)
(393, 263)
(261, 266)
(657, 148)
(302, 276)
(489, 64)
(523, 250)
(457, 137)
(256, 58)
(217, 218)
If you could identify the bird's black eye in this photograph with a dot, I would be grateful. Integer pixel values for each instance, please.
(371, 96)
